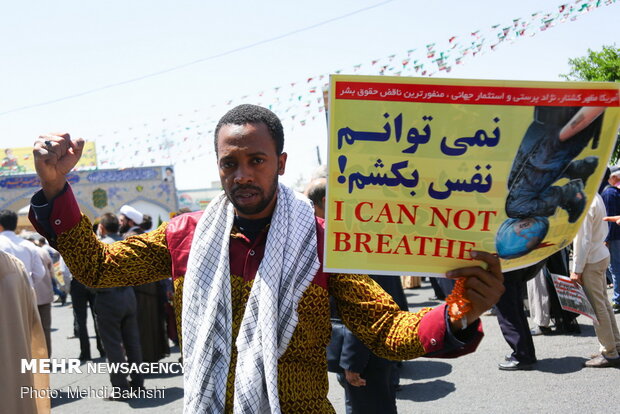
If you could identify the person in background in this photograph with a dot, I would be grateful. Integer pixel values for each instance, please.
(45, 293)
(150, 298)
(116, 313)
(590, 260)
(60, 290)
(411, 282)
(538, 302)
(565, 321)
(548, 308)
(21, 336)
(82, 297)
(130, 220)
(20, 248)
(611, 198)
(512, 320)
(369, 381)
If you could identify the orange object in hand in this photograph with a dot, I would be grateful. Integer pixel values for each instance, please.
(458, 305)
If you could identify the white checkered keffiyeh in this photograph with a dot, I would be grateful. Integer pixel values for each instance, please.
(287, 269)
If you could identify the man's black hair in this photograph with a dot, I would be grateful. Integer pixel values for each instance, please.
(605, 181)
(147, 222)
(253, 114)
(316, 192)
(110, 222)
(8, 220)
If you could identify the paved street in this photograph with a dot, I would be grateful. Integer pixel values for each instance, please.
(471, 384)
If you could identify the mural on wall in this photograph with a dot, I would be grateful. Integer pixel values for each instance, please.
(100, 198)
(114, 193)
(102, 191)
(168, 174)
(124, 175)
(30, 181)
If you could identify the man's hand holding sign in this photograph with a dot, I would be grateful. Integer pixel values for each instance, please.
(478, 288)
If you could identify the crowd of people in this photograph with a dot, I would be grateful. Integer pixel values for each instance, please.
(244, 281)
(132, 324)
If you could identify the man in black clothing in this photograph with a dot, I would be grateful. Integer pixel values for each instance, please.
(117, 319)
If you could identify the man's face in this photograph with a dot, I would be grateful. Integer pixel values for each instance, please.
(125, 223)
(249, 168)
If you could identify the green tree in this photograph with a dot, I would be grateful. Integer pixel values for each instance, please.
(598, 66)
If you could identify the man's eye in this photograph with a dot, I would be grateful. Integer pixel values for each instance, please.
(258, 160)
(228, 164)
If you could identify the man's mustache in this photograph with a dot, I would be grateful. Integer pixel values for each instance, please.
(238, 188)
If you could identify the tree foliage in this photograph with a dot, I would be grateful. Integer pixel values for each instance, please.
(598, 66)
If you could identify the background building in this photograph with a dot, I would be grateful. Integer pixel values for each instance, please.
(151, 190)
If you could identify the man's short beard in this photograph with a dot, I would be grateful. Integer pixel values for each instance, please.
(260, 206)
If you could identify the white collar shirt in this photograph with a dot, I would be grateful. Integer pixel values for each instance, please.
(24, 251)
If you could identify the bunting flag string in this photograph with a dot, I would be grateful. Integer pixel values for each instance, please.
(186, 137)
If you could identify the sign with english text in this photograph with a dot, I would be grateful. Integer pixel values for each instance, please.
(422, 170)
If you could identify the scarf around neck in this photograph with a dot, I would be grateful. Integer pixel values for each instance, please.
(288, 267)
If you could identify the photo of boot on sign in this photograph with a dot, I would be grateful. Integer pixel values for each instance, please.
(556, 136)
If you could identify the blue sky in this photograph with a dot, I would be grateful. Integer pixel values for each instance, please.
(51, 50)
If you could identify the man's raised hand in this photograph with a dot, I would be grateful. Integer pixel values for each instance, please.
(55, 155)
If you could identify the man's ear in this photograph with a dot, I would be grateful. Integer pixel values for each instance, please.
(282, 163)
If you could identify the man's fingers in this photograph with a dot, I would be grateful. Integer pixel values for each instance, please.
(43, 149)
(77, 146)
(613, 219)
(477, 297)
(479, 291)
(494, 269)
(53, 146)
(50, 143)
(491, 260)
(358, 382)
(355, 379)
(58, 143)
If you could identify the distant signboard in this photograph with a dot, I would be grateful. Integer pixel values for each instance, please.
(195, 200)
(19, 160)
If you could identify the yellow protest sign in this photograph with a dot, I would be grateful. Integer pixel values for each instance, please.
(20, 161)
(421, 170)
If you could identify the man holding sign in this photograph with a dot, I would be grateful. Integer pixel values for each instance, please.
(255, 301)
